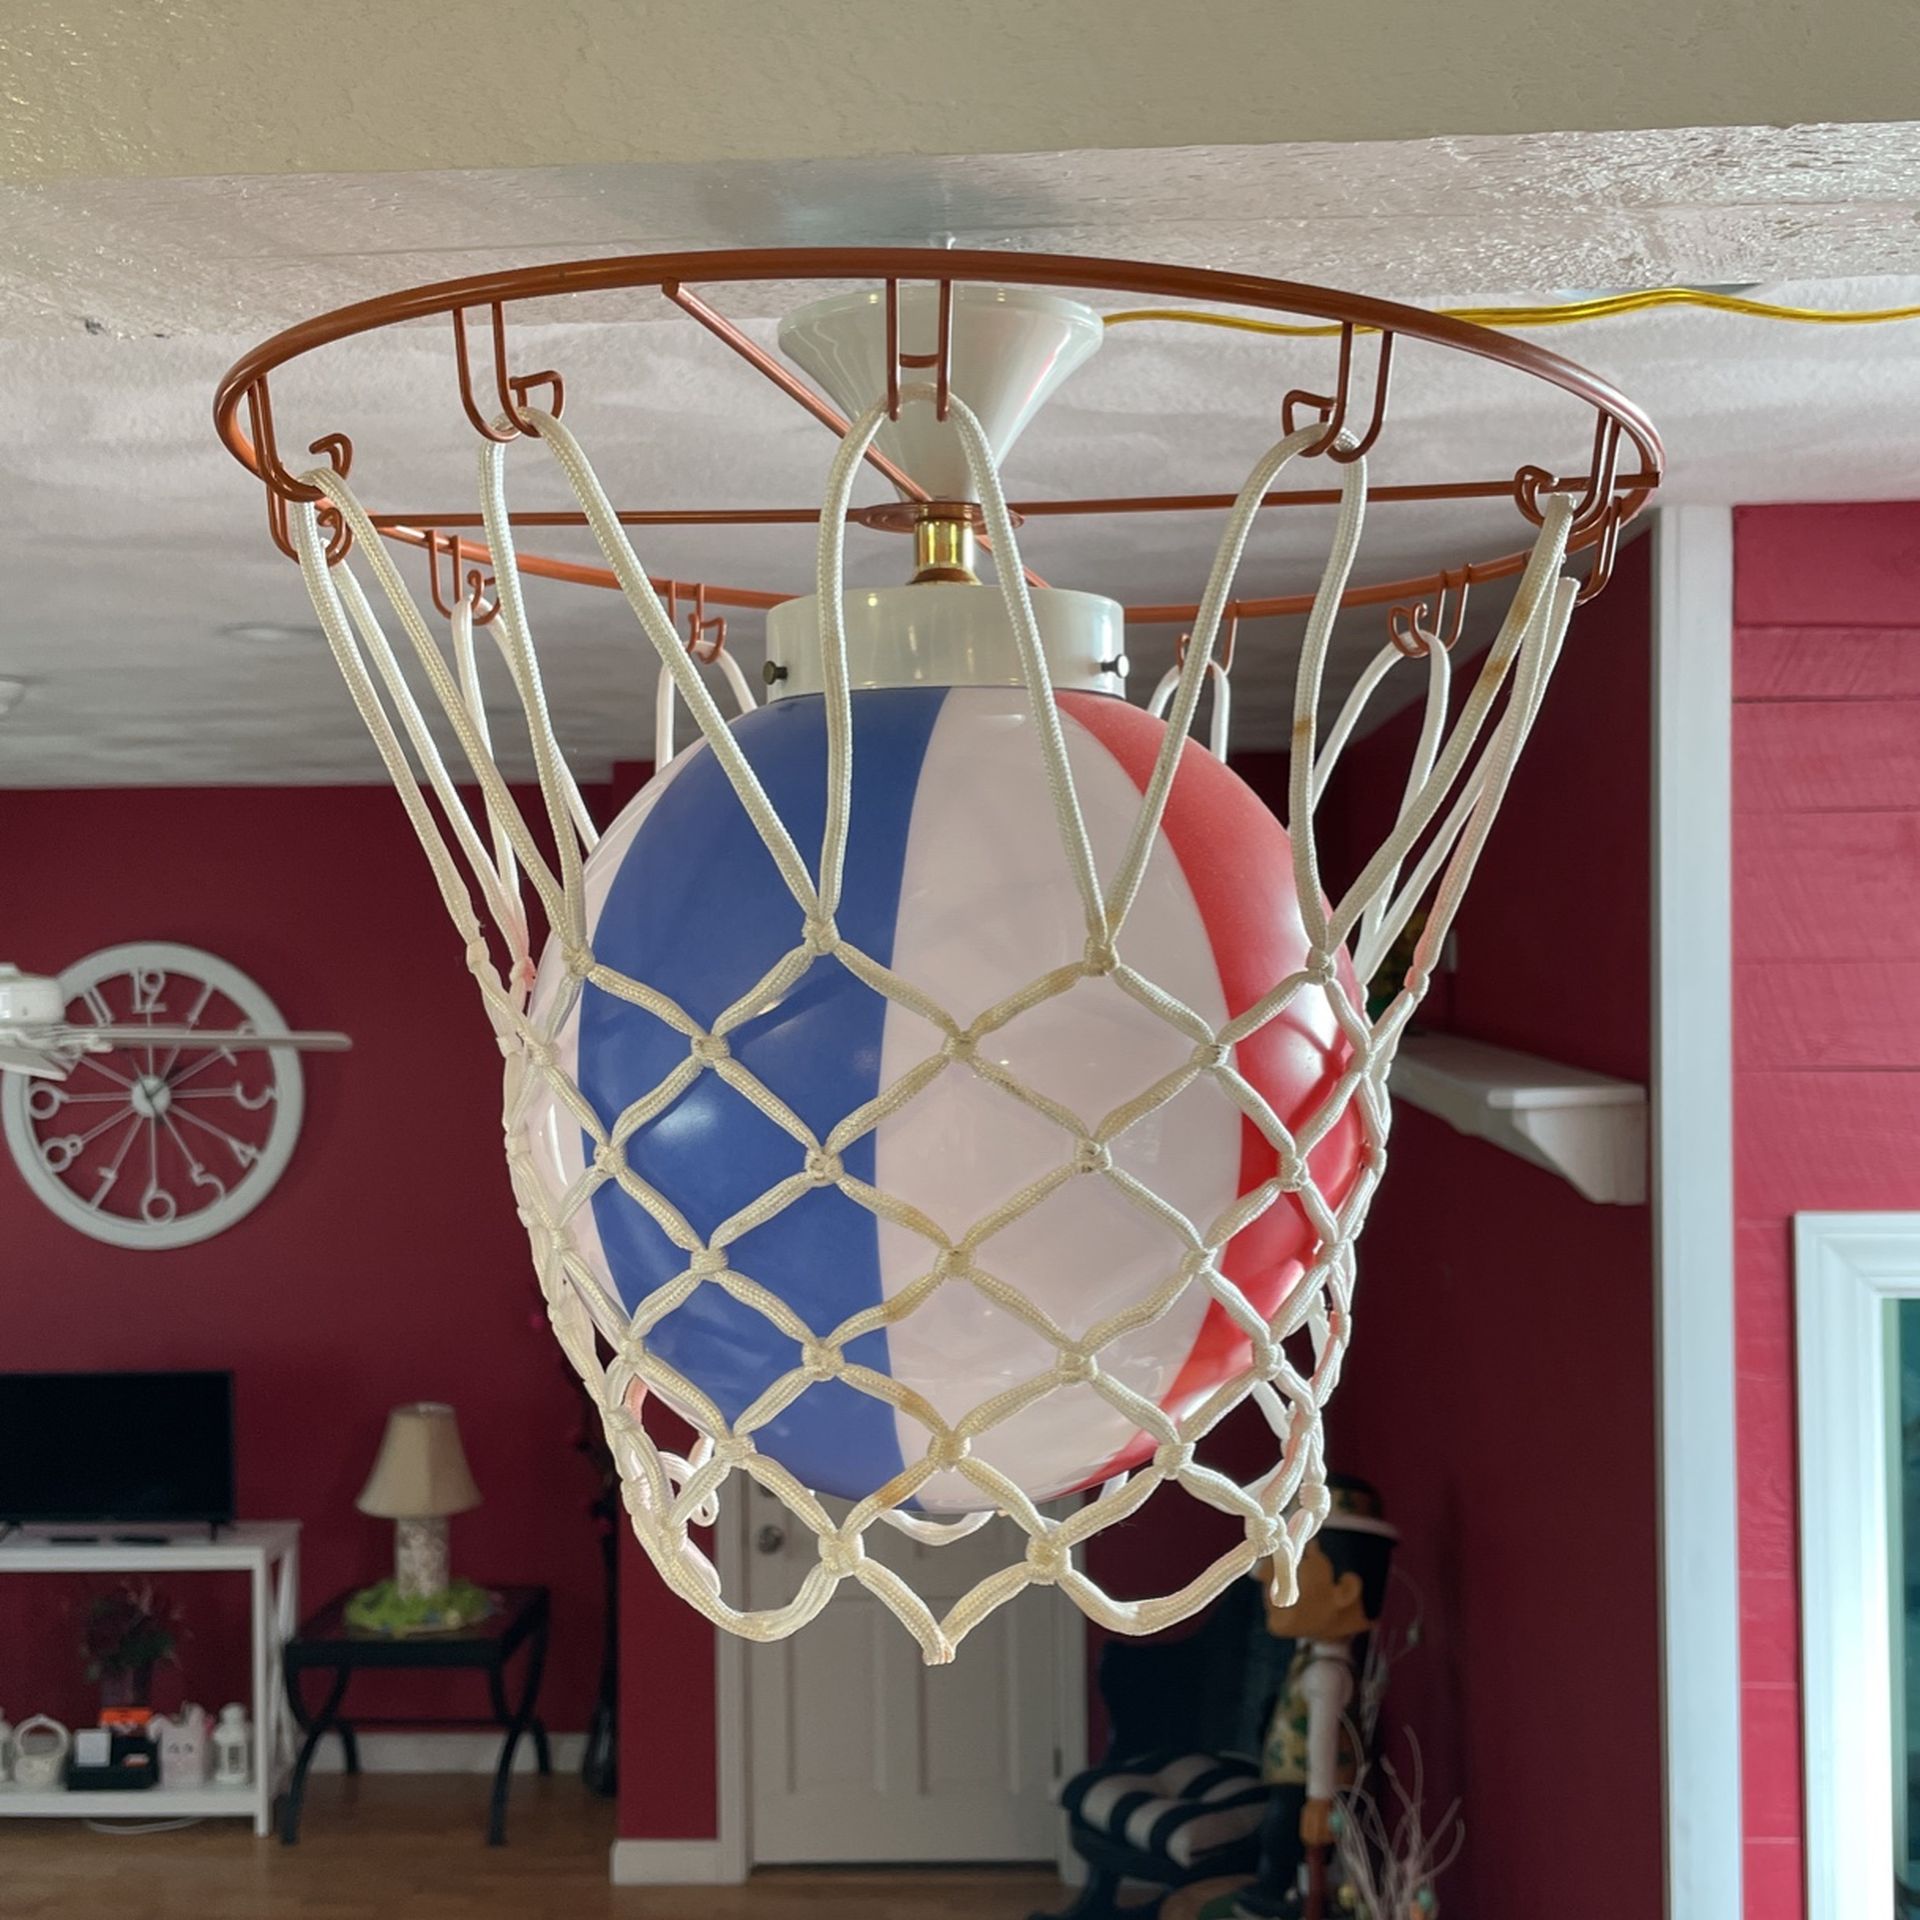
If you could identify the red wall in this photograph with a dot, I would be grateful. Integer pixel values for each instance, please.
(1500, 1385)
(386, 1266)
(1826, 893)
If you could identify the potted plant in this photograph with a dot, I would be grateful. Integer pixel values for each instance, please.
(128, 1632)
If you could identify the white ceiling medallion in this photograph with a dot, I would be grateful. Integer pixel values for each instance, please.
(162, 1142)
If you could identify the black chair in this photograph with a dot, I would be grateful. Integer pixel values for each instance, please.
(1178, 1797)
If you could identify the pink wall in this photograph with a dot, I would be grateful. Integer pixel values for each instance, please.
(1500, 1386)
(1826, 890)
(386, 1266)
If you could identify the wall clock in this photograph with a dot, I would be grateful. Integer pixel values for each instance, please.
(160, 1142)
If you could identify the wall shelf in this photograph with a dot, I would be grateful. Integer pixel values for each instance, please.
(1589, 1129)
(268, 1553)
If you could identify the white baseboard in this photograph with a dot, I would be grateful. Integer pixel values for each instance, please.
(672, 1863)
(453, 1752)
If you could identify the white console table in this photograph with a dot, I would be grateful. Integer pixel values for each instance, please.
(268, 1553)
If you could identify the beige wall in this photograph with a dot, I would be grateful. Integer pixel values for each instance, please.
(184, 87)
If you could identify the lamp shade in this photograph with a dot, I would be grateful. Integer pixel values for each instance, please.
(422, 1470)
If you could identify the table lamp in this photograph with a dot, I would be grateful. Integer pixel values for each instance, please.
(419, 1479)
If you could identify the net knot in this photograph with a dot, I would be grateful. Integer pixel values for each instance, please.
(820, 1360)
(951, 1264)
(1211, 1055)
(841, 1553)
(1266, 1359)
(1173, 1457)
(1319, 966)
(578, 961)
(707, 1260)
(1100, 958)
(539, 1053)
(820, 936)
(948, 1449)
(1092, 1156)
(608, 1159)
(1047, 1558)
(1266, 1536)
(823, 1168)
(961, 1047)
(733, 1449)
(479, 960)
(1075, 1366)
(710, 1049)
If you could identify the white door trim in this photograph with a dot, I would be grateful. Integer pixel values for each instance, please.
(733, 1742)
(669, 1863)
(1847, 1266)
(1693, 1208)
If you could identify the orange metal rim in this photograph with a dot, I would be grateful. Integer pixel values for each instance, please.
(1624, 467)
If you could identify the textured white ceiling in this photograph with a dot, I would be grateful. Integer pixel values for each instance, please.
(166, 88)
(129, 541)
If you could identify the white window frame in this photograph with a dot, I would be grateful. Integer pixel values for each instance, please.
(1847, 1267)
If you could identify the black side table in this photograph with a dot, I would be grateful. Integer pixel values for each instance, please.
(327, 1642)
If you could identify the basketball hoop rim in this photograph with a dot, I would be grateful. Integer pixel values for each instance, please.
(1611, 492)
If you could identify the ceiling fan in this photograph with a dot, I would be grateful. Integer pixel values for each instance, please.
(38, 1040)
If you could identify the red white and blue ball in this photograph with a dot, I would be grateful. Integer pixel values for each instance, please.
(956, 880)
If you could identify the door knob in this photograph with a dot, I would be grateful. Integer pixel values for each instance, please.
(770, 1539)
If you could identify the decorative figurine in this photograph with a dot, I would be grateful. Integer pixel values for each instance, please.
(40, 1749)
(185, 1742)
(232, 1748)
(1311, 1750)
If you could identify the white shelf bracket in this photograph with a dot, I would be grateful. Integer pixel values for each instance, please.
(1587, 1128)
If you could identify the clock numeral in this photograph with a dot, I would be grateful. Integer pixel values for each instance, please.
(253, 1102)
(244, 1151)
(60, 1152)
(157, 1205)
(97, 1006)
(45, 1098)
(148, 984)
(108, 1176)
(202, 1178)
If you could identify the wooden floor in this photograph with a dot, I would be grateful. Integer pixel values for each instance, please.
(409, 1847)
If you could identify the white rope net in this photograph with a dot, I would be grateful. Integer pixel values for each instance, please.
(1461, 766)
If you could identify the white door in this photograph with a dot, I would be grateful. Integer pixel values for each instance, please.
(863, 1753)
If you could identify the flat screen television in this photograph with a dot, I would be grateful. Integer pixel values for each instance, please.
(116, 1448)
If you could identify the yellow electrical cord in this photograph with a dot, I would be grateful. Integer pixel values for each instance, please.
(1563, 314)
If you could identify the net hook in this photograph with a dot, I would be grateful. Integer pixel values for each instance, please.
(1597, 499)
(510, 389)
(283, 488)
(1224, 659)
(700, 623)
(1333, 407)
(1606, 546)
(479, 592)
(1417, 629)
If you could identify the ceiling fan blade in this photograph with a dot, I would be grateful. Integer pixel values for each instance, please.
(103, 1038)
(31, 1062)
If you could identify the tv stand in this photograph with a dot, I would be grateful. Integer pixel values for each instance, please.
(268, 1553)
